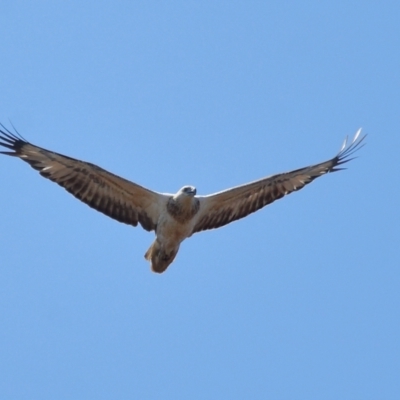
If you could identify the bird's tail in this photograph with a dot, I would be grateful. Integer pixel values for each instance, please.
(159, 259)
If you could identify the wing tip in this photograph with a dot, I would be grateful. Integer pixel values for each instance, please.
(347, 150)
(10, 140)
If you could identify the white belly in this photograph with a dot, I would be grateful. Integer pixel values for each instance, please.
(170, 233)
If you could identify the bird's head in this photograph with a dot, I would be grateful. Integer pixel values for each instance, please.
(187, 191)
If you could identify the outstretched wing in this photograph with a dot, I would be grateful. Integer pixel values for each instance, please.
(224, 207)
(115, 197)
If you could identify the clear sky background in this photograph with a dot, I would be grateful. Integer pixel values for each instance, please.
(298, 301)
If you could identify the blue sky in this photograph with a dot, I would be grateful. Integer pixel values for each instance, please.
(298, 301)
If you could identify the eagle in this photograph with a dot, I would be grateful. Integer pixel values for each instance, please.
(173, 217)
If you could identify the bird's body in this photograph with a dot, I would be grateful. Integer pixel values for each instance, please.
(173, 217)
(173, 227)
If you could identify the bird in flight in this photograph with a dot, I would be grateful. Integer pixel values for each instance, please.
(173, 217)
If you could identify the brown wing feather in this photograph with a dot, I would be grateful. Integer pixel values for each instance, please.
(110, 194)
(230, 205)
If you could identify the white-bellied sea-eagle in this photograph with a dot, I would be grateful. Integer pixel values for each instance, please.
(173, 217)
